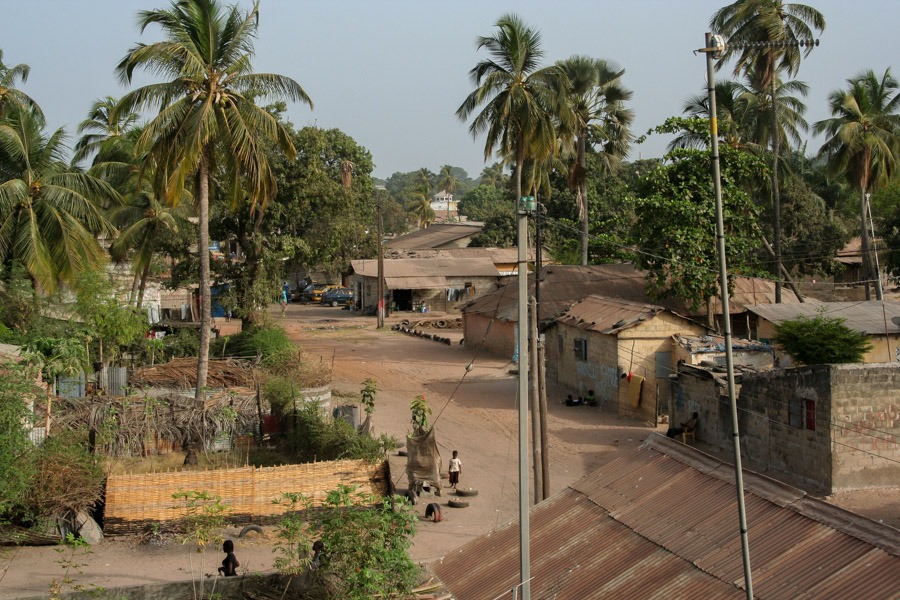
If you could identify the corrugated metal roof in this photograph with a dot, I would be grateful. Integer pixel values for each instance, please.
(436, 235)
(662, 523)
(564, 285)
(872, 318)
(700, 344)
(497, 255)
(608, 315)
(428, 267)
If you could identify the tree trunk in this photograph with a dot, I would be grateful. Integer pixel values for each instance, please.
(144, 274)
(581, 182)
(134, 288)
(776, 194)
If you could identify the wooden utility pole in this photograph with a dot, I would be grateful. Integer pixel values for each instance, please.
(379, 310)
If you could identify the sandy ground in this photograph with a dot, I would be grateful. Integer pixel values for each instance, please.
(474, 412)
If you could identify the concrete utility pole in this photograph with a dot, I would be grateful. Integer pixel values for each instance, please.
(379, 310)
(713, 50)
(522, 335)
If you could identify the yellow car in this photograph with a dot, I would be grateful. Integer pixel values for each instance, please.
(314, 291)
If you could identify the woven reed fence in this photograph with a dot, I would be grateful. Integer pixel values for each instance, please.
(135, 501)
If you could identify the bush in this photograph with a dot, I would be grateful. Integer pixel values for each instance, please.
(16, 468)
(270, 344)
(67, 478)
(315, 435)
(821, 340)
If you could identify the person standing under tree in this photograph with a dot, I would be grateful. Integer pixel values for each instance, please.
(455, 469)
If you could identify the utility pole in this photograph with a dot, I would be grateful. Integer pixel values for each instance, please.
(525, 202)
(379, 310)
(713, 49)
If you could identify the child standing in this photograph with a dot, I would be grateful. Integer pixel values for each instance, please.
(455, 469)
(230, 562)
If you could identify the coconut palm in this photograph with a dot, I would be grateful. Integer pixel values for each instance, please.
(419, 208)
(48, 211)
(517, 97)
(863, 142)
(493, 175)
(423, 180)
(104, 128)
(207, 113)
(9, 95)
(447, 180)
(762, 35)
(596, 98)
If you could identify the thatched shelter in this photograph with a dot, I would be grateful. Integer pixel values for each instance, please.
(181, 373)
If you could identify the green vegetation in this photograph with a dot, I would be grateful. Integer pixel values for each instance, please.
(821, 340)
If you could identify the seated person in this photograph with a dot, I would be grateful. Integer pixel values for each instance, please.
(573, 401)
(433, 511)
(590, 399)
(687, 427)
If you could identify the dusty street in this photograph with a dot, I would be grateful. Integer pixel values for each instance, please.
(474, 412)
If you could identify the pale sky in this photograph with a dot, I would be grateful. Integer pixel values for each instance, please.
(391, 73)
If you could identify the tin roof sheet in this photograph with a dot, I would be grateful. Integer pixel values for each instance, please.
(428, 267)
(608, 315)
(871, 318)
(662, 522)
(436, 235)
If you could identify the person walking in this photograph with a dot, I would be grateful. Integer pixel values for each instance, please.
(284, 300)
(455, 469)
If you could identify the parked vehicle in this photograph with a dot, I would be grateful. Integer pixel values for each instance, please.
(337, 296)
(313, 292)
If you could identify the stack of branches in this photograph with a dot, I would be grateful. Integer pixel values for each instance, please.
(138, 426)
(181, 373)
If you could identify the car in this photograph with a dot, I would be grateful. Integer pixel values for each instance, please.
(337, 296)
(313, 292)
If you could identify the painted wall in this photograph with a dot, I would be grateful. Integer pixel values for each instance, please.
(482, 332)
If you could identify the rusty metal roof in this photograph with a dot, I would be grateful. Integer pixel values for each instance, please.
(662, 523)
(428, 267)
(870, 318)
(497, 255)
(608, 315)
(436, 235)
(564, 285)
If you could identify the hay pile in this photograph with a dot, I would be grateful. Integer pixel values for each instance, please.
(181, 373)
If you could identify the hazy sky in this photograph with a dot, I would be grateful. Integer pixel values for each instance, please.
(391, 73)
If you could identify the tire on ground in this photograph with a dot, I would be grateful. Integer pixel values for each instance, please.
(466, 492)
(457, 503)
(249, 528)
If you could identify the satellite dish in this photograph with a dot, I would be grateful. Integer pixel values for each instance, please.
(895, 321)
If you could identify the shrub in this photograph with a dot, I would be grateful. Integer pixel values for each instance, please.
(270, 344)
(821, 340)
(67, 478)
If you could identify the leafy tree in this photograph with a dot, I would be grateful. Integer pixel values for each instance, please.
(48, 211)
(17, 388)
(518, 99)
(481, 203)
(674, 229)
(596, 97)
(499, 230)
(205, 106)
(821, 340)
(106, 129)
(366, 543)
(493, 175)
(863, 143)
(110, 325)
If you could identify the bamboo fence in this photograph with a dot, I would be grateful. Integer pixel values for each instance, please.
(134, 501)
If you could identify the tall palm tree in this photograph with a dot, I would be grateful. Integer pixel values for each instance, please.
(105, 127)
(207, 112)
(420, 209)
(9, 95)
(777, 25)
(596, 98)
(424, 179)
(517, 97)
(447, 179)
(493, 175)
(863, 142)
(48, 211)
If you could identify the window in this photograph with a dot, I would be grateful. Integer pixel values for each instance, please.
(810, 411)
(581, 349)
(802, 414)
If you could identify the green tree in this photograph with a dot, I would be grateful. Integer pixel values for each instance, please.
(105, 128)
(518, 99)
(676, 243)
(494, 176)
(480, 203)
(207, 104)
(49, 217)
(10, 96)
(821, 340)
(17, 388)
(419, 209)
(863, 143)
(448, 180)
(366, 543)
(596, 97)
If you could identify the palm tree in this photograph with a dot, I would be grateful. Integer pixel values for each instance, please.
(762, 34)
(518, 98)
(447, 180)
(863, 142)
(48, 212)
(596, 97)
(9, 95)
(207, 106)
(105, 128)
(423, 181)
(493, 175)
(420, 209)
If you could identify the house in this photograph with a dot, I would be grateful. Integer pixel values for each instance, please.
(828, 428)
(661, 522)
(622, 350)
(438, 235)
(710, 350)
(875, 320)
(445, 207)
(489, 322)
(423, 283)
(505, 259)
